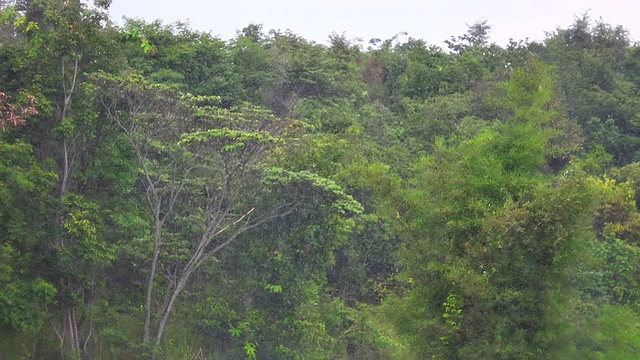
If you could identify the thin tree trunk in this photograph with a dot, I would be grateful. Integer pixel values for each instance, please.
(194, 262)
(69, 336)
(152, 274)
(167, 312)
(70, 339)
(201, 255)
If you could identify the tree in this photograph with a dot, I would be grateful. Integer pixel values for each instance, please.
(53, 42)
(490, 238)
(597, 84)
(10, 116)
(203, 164)
(25, 289)
(477, 36)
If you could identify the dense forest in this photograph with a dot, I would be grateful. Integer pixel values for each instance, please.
(168, 194)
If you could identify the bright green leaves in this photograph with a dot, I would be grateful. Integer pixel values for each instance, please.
(452, 311)
(134, 33)
(227, 139)
(528, 92)
(302, 180)
(9, 15)
(273, 288)
(614, 334)
(618, 277)
(83, 225)
(24, 187)
(490, 232)
(472, 180)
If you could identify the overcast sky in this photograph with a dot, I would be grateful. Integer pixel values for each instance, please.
(433, 21)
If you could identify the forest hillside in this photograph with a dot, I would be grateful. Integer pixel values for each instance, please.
(167, 194)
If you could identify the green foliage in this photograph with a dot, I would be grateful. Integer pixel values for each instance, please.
(437, 117)
(229, 140)
(618, 274)
(342, 202)
(489, 235)
(590, 59)
(82, 224)
(24, 185)
(615, 333)
(285, 199)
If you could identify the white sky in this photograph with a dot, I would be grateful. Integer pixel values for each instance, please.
(433, 21)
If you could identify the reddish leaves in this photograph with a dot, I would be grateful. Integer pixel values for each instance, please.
(10, 116)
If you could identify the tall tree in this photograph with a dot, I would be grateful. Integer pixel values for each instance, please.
(56, 42)
(490, 242)
(204, 164)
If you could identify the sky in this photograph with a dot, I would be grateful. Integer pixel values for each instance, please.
(433, 21)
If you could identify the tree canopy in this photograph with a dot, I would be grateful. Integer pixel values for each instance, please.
(167, 194)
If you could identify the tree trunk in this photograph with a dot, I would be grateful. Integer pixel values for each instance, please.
(70, 331)
(172, 298)
(146, 339)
